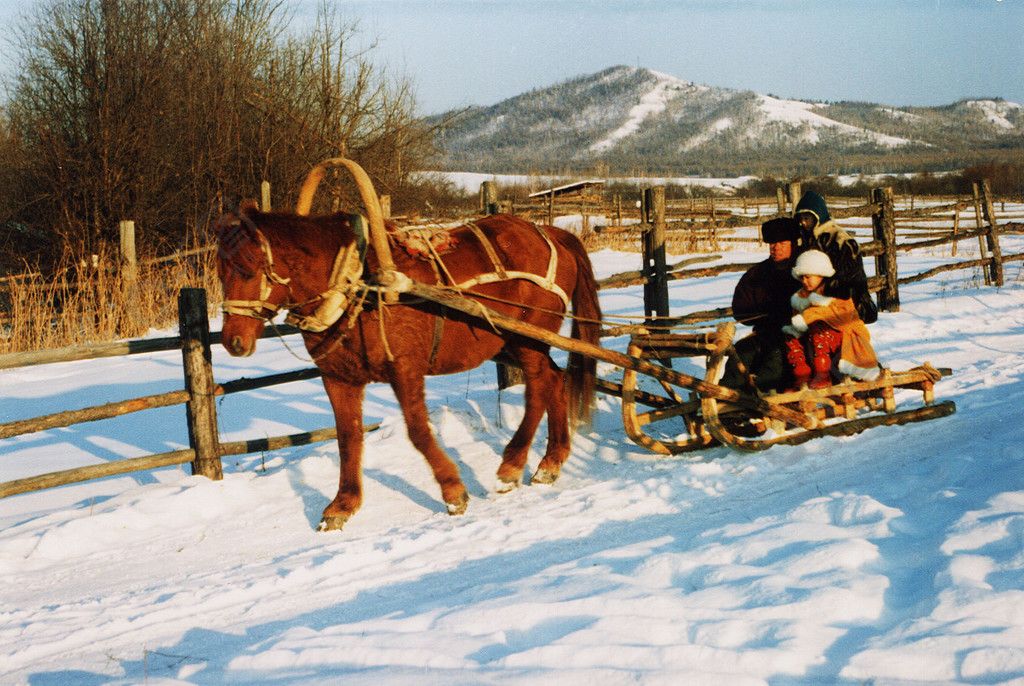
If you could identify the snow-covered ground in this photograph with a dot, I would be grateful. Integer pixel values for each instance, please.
(891, 557)
(470, 182)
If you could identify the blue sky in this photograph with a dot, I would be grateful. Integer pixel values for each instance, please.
(894, 52)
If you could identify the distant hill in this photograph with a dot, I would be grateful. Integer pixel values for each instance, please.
(629, 119)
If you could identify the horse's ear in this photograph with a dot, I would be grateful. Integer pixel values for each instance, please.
(249, 206)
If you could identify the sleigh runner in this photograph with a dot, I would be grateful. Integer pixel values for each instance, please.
(502, 288)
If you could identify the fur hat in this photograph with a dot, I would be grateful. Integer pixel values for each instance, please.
(780, 229)
(813, 262)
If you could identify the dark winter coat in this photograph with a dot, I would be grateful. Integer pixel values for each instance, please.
(761, 298)
(850, 281)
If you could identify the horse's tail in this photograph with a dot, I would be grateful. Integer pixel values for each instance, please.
(581, 372)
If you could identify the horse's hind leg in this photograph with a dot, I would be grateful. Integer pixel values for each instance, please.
(411, 393)
(545, 392)
(559, 440)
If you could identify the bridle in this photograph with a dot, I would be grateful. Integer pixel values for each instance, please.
(345, 278)
(256, 308)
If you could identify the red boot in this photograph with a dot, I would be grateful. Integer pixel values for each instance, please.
(824, 342)
(822, 372)
(798, 359)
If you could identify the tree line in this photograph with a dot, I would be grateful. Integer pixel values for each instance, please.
(164, 111)
(1005, 179)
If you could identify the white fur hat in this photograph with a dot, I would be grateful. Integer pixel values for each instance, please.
(813, 262)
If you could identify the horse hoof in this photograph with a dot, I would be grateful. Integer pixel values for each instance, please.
(334, 523)
(544, 476)
(507, 485)
(459, 506)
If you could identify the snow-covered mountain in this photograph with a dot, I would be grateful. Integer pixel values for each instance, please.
(632, 118)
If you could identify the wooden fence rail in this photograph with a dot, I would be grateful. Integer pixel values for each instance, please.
(883, 247)
(205, 448)
(680, 215)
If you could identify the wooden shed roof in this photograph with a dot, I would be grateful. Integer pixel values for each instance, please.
(568, 189)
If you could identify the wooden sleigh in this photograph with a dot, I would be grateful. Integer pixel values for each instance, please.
(843, 409)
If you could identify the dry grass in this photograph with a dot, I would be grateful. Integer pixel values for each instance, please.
(90, 304)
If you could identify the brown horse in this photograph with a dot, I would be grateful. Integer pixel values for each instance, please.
(315, 268)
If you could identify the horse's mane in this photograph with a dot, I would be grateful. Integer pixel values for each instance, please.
(322, 234)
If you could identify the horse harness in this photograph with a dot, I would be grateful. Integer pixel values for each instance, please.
(499, 274)
(346, 279)
(547, 282)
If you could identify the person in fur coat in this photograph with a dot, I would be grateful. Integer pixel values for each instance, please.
(818, 231)
(827, 338)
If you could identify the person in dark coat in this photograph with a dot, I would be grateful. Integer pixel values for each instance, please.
(818, 231)
(761, 301)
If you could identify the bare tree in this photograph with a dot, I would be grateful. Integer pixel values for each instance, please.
(151, 110)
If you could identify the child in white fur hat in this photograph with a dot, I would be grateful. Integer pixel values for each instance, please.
(825, 329)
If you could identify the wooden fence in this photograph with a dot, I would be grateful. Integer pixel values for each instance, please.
(195, 339)
(712, 220)
(205, 449)
(653, 230)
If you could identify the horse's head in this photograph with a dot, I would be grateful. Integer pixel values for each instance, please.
(254, 287)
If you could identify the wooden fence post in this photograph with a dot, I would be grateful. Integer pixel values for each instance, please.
(979, 221)
(129, 271)
(956, 227)
(488, 197)
(996, 268)
(201, 411)
(129, 262)
(883, 223)
(265, 196)
(655, 269)
(795, 193)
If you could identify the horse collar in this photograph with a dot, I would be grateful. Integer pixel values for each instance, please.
(346, 275)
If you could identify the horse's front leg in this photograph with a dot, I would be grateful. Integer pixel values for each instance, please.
(410, 390)
(347, 401)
